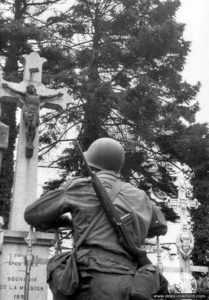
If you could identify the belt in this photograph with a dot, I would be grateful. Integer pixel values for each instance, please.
(107, 255)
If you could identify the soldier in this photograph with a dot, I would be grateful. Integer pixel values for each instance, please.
(106, 269)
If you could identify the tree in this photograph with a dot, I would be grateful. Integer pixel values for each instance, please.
(122, 60)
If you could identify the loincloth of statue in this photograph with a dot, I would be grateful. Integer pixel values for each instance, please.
(31, 115)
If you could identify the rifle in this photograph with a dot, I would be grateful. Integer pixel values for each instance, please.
(120, 224)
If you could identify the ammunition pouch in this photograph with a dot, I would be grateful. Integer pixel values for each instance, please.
(62, 274)
(146, 282)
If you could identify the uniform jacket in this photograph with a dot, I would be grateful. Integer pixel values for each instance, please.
(78, 197)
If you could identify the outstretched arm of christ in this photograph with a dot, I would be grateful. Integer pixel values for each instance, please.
(22, 94)
(50, 96)
(6, 86)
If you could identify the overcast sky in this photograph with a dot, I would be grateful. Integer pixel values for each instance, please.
(195, 14)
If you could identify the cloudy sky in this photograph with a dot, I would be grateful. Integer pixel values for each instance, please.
(194, 13)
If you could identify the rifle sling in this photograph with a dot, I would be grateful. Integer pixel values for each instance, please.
(113, 193)
(124, 236)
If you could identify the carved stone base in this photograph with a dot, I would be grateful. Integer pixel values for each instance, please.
(12, 266)
(186, 284)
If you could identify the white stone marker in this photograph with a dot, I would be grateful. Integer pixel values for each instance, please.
(15, 249)
(25, 181)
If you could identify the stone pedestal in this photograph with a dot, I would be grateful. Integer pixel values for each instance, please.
(12, 266)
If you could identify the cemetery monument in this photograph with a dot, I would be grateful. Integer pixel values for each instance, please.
(24, 253)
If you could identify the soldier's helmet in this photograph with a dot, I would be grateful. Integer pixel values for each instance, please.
(105, 154)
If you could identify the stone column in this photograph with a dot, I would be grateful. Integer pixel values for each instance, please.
(4, 138)
(25, 181)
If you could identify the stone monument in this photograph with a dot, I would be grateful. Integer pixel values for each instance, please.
(185, 244)
(184, 281)
(24, 252)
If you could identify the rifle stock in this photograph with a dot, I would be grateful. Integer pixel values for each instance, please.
(120, 224)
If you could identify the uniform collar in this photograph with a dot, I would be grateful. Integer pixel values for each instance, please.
(106, 173)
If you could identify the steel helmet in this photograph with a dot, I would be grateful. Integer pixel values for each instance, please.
(105, 154)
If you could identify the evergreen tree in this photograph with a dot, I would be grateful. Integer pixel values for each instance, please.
(122, 61)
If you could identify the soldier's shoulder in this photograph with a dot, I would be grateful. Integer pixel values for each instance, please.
(78, 181)
(131, 187)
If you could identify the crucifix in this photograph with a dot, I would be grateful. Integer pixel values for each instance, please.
(184, 245)
(30, 95)
(30, 103)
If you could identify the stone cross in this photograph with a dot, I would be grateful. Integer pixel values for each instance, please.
(181, 282)
(30, 95)
(184, 242)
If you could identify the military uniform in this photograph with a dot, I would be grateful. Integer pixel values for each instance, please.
(106, 268)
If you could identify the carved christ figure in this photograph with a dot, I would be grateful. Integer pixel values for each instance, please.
(185, 245)
(30, 103)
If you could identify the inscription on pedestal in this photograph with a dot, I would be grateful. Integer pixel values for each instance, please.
(12, 273)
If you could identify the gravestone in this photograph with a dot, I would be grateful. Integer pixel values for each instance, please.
(184, 245)
(24, 252)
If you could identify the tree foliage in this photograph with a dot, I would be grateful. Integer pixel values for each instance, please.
(122, 61)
